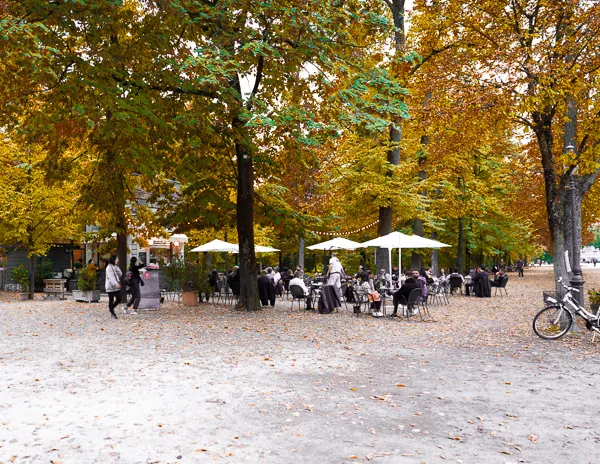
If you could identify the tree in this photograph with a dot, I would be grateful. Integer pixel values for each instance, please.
(264, 72)
(74, 75)
(34, 213)
(543, 57)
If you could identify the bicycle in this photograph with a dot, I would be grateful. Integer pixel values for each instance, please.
(556, 318)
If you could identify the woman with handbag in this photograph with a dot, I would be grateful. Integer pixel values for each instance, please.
(113, 285)
(365, 288)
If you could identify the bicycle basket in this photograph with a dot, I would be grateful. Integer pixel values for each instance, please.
(551, 294)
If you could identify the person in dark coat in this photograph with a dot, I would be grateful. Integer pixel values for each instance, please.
(481, 284)
(266, 289)
(234, 277)
(401, 295)
(498, 279)
(136, 283)
(213, 281)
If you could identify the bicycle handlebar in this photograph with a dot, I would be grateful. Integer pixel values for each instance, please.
(570, 289)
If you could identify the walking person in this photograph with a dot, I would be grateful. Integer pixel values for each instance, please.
(113, 285)
(135, 282)
(520, 265)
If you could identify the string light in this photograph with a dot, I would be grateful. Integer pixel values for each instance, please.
(350, 232)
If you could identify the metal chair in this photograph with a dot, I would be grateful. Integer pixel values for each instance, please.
(455, 282)
(413, 302)
(443, 291)
(298, 295)
(220, 293)
(502, 286)
(344, 289)
(361, 299)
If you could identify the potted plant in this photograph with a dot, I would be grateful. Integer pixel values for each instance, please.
(20, 275)
(191, 282)
(594, 297)
(86, 286)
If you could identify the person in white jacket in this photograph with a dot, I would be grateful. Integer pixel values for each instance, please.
(113, 284)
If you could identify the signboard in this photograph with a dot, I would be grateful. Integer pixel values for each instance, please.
(150, 292)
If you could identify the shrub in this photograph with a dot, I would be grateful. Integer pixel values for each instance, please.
(87, 279)
(20, 275)
(44, 270)
(594, 296)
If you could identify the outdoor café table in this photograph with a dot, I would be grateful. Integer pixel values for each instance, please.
(329, 299)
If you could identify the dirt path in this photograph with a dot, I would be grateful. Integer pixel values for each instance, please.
(281, 386)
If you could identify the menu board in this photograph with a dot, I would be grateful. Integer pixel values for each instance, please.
(150, 291)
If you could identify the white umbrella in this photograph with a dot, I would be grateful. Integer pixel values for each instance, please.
(218, 246)
(265, 249)
(338, 243)
(400, 240)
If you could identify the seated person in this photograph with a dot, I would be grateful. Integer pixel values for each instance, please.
(401, 295)
(297, 280)
(287, 276)
(428, 276)
(366, 288)
(234, 276)
(359, 273)
(212, 281)
(498, 279)
(383, 281)
(422, 279)
(266, 289)
(456, 275)
(481, 283)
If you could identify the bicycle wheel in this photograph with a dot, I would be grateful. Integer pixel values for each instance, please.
(552, 322)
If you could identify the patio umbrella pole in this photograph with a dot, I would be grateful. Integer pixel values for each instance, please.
(400, 260)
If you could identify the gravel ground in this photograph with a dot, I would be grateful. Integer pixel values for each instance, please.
(207, 384)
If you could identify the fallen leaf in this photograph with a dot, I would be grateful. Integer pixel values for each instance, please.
(400, 385)
(533, 438)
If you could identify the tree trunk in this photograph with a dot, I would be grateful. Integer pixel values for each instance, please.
(386, 213)
(121, 226)
(384, 228)
(434, 257)
(461, 247)
(301, 253)
(245, 228)
(543, 132)
(416, 261)
(31, 277)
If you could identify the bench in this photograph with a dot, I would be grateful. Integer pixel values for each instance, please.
(54, 288)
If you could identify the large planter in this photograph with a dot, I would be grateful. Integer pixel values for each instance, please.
(23, 296)
(594, 307)
(88, 297)
(190, 298)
